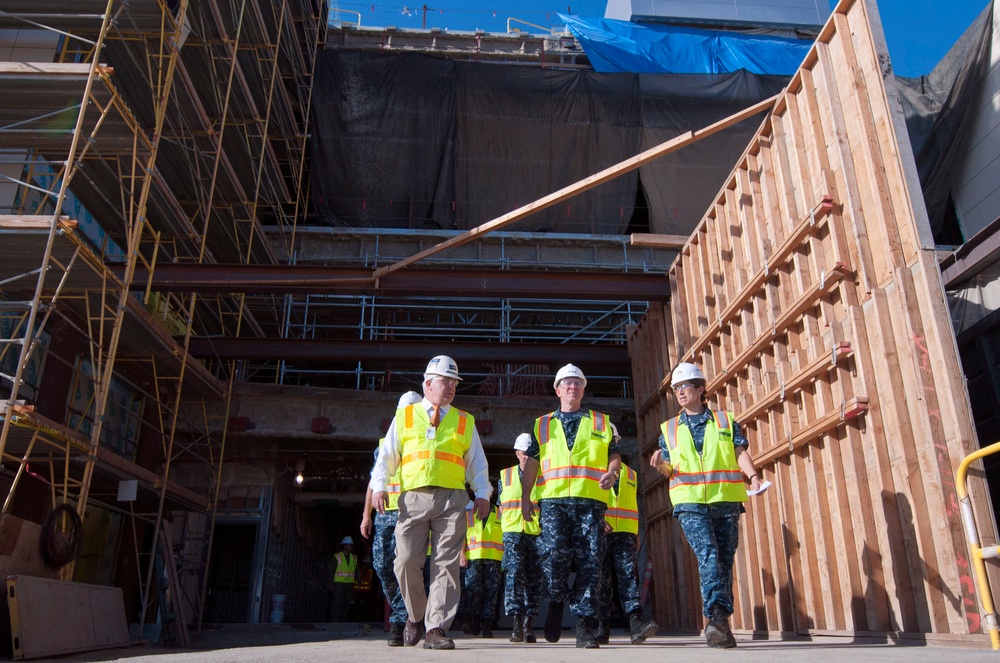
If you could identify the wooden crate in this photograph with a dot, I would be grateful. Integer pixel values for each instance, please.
(811, 297)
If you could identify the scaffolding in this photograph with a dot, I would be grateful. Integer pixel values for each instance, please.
(158, 132)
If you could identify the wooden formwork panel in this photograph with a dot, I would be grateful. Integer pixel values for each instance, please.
(811, 297)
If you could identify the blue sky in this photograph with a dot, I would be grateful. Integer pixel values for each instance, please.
(918, 32)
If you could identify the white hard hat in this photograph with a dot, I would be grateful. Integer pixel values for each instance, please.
(409, 398)
(684, 372)
(614, 432)
(569, 371)
(522, 442)
(442, 365)
(347, 540)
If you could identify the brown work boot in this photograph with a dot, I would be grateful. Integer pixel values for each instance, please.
(395, 635)
(412, 632)
(436, 639)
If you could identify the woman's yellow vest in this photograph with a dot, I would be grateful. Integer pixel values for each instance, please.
(346, 566)
(623, 506)
(575, 473)
(714, 475)
(437, 461)
(483, 540)
(511, 519)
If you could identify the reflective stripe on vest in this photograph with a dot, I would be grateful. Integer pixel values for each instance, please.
(623, 507)
(344, 571)
(706, 478)
(573, 472)
(483, 540)
(511, 519)
(438, 461)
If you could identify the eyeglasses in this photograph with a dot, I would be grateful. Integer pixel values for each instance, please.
(684, 385)
(450, 382)
(571, 384)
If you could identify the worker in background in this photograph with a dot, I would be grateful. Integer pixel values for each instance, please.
(621, 557)
(704, 454)
(384, 544)
(437, 449)
(523, 585)
(345, 574)
(481, 586)
(580, 463)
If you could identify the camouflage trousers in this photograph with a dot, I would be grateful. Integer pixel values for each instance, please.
(713, 541)
(573, 538)
(383, 556)
(621, 559)
(523, 586)
(481, 588)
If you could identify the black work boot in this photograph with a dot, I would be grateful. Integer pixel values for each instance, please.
(585, 634)
(529, 632)
(395, 635)
(477, 625)
(553, 622)
(640, 630)
(603, 635)
(487, 628)
(517, 635)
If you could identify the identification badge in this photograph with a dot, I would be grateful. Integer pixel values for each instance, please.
(431, 432)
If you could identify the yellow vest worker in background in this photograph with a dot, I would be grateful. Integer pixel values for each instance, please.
(481, 585)
(621, 557)
(579, 463)
(437, 449)
(523, 572)
(345, 572)
(704, 454)
(384, 543)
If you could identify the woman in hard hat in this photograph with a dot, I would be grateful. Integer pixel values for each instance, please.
(704, 454)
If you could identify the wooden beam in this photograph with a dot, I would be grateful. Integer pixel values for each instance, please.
(655, 241)
(585, 184)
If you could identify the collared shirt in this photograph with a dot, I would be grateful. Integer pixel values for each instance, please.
(476, 467)
(696, 424)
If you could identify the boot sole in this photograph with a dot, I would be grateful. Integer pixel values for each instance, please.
(650, 631)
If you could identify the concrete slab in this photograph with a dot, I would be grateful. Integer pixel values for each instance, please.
(343, 642)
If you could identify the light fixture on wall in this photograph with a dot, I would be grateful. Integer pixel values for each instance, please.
(299, 467)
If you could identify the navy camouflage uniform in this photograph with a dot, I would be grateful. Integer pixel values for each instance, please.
(712, 530)
(383, 557)
(572, 535)
(523, 574)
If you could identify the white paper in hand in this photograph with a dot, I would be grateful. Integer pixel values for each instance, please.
(764, 486)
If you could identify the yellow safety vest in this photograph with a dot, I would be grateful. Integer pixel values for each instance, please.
(391, 486)
(437, 461)
(575, 473)
(511, 519)
(623, 506)
(714, 475)
(483, 540)
(346, 566)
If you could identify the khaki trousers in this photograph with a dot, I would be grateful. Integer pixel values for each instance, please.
(438, 513)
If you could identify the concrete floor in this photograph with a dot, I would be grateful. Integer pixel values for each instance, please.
(342, 643)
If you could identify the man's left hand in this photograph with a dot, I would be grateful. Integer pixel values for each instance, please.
(608, 480)
(482, 508)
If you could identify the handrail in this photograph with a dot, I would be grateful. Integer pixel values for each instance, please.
(330, 19)
(972, 534)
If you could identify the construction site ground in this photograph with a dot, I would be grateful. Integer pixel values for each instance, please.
(343, 643)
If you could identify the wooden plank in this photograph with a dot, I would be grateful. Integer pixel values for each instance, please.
(89, 617)
(657, 241)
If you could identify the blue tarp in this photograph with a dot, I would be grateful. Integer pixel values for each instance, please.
(644, 48)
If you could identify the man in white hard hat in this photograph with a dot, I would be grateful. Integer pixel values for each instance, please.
(345, 574)
(704, 454)
(580, 463)
(437, 450)
(520, 548)
(384, 543)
